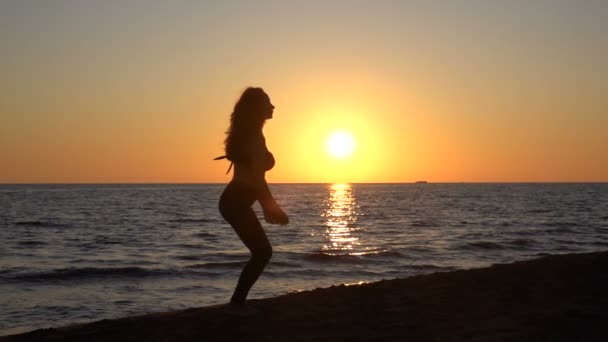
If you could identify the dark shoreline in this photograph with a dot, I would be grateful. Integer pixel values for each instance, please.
(552, 298)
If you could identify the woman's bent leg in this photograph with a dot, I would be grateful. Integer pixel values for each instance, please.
(249, 229)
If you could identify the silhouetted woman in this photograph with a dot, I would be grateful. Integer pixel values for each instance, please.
(245, 147)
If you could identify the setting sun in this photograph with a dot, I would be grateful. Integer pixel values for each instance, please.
(340, 145)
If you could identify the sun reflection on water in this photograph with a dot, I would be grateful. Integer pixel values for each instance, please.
(340, 220)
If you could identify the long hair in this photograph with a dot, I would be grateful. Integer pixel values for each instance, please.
(246, 120)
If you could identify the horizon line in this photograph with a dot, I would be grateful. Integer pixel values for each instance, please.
(312, 183)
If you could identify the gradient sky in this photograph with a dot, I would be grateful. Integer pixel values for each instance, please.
(445, 91)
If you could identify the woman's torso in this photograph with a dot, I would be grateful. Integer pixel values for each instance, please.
(256, 160)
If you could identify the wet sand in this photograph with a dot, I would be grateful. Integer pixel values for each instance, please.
(553, 298)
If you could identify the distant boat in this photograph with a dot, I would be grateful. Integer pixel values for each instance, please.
(420, 182)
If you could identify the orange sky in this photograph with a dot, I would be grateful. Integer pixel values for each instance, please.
(475, 92)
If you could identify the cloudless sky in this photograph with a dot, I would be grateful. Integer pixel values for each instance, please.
(445, 91)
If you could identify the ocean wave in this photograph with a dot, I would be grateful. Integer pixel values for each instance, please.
(431, 268)
(522, 242)
(191, 220)
(189, 257)
(10, 270)
(414, 249)
(31, 243)
(87, 273)
(44, 224)
(192, 246)
(316, 272)
(329, 257)
(526, 232)
(205, 235)
(560, 230)
(422, 223)
(377, 253)
(105, 240)
(539, 211)
(207, 256)
(216, 265)
(566, 226)
(284, 264)
(570, 242)
(481, 245)
(347, 256)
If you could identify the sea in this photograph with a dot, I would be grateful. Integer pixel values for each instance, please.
(81, 253)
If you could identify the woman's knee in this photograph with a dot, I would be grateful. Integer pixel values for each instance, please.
(263, 254)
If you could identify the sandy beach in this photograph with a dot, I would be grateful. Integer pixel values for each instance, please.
(552, 298)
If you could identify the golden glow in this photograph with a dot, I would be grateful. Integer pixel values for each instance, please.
(340, 145)
(156, 111)
(340, 220)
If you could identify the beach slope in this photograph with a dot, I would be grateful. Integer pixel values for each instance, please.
(553, 298)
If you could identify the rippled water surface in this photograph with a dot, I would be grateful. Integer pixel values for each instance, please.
(77, 253)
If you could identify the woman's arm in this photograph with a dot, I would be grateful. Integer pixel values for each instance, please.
(272, 211)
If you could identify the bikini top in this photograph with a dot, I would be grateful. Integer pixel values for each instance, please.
(269, 161)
